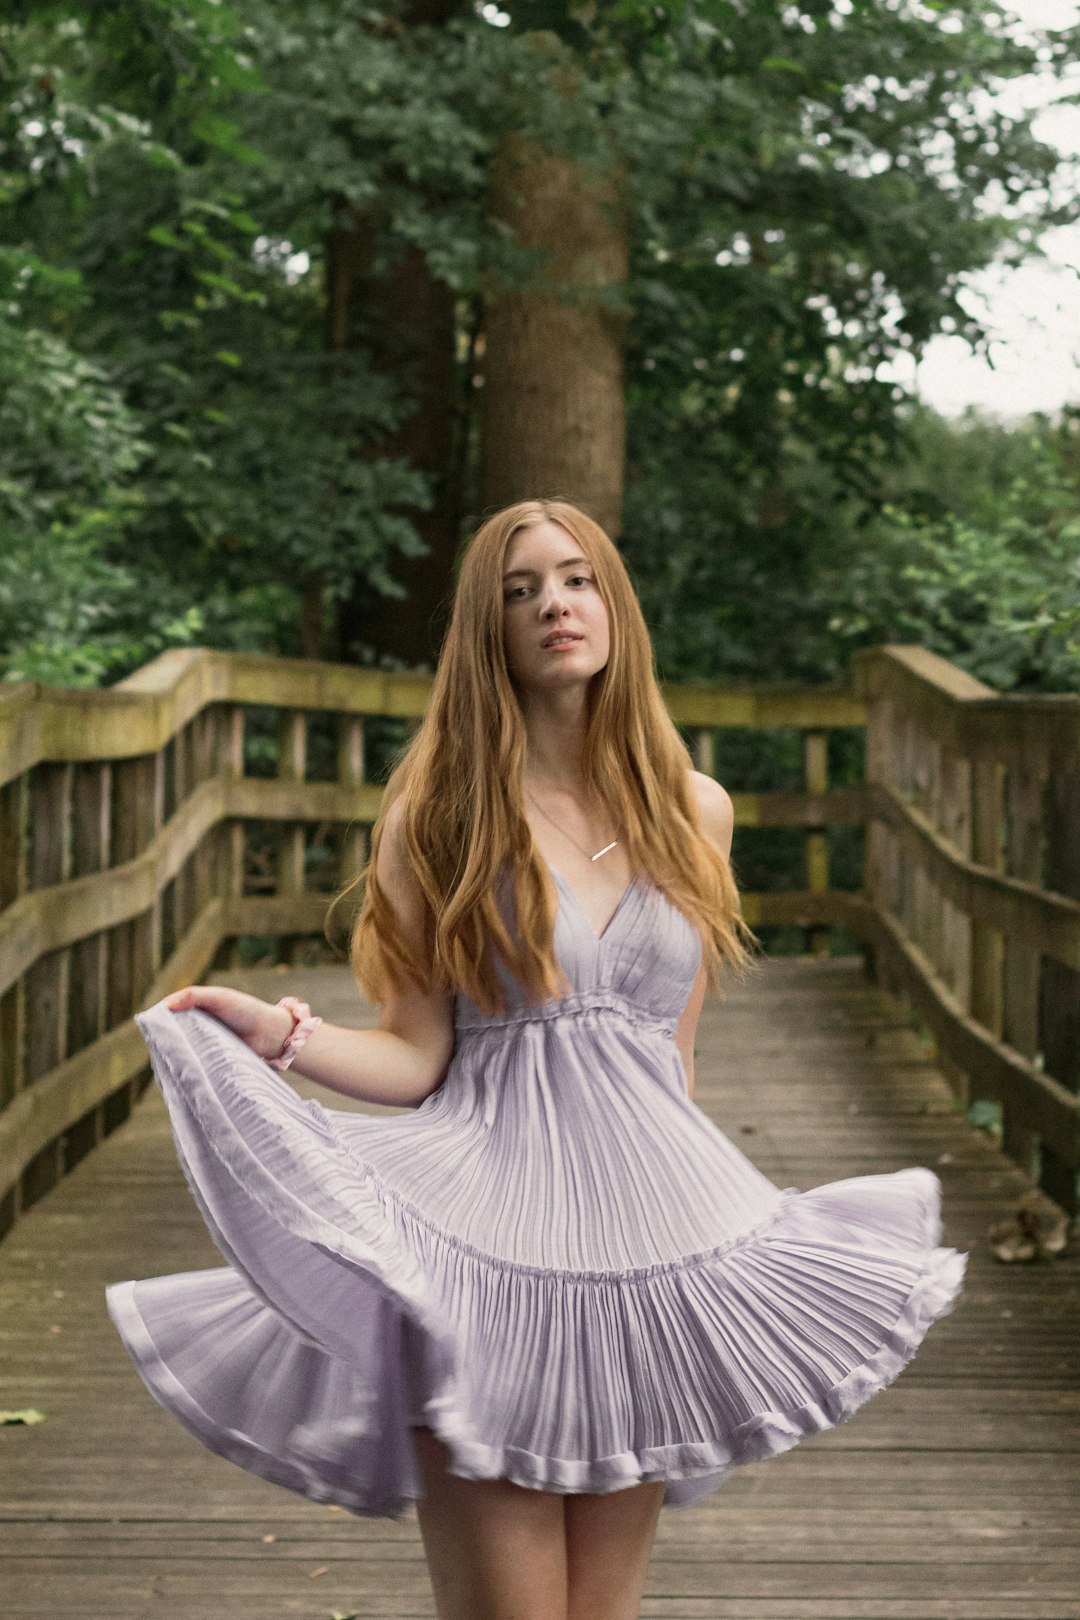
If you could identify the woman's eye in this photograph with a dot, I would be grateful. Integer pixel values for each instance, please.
(516, 592)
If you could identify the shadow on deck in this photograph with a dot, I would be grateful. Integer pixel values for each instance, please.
(954, 1494)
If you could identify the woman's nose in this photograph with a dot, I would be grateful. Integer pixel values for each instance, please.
(551, 600)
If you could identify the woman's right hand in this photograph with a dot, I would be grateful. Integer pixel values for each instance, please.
(263, 1027)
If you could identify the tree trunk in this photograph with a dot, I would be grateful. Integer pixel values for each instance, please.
(552, 419)
(406, 320)
(314, 640)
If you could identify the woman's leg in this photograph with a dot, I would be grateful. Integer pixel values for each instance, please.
(495, 1550)
(608, 1542)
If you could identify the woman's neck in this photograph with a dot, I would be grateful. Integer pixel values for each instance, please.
(555, 733)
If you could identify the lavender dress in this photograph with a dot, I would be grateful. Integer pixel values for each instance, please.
(557, 1261)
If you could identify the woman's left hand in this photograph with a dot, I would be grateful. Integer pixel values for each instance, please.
(263, 1027)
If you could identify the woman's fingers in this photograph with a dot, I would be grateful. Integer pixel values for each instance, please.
(210, 996)
(264, 1028)
(241, 1012)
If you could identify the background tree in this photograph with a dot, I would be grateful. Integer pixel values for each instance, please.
(302, 243)
(121, 169)
(976, 555)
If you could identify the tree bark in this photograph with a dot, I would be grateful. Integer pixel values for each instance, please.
(406, 320)
(552, 416)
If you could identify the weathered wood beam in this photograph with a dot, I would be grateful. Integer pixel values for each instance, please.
(140, 714)
(1018, 908)
(1033, 731)
(47, 919)
(39, 1114)
(838, 807)
(997, 1072)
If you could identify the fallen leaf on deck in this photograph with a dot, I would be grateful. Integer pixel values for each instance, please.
(1037, 1229)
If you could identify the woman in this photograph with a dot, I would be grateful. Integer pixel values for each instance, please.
(554, 1297)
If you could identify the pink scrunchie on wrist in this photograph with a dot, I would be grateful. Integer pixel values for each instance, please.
(303, 1026)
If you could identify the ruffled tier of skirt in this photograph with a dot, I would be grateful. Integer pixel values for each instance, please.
(345, 1317)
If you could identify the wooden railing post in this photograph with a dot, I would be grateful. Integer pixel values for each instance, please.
(292, 764)
(876, 863)
(48, 983)
(91, 820)
(816, 769)
(987, 950)
(350, 773)
(204, 766)
(705, 750)
(956, 828)
(919, 792)
(1023, 961)
(231, 766)
(150, 820)
(1060, 1012)
(185, 905)
(14, 882)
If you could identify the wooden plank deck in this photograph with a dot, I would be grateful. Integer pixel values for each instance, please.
(955, 1495)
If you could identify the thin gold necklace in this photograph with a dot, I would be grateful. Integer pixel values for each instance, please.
(565, 834)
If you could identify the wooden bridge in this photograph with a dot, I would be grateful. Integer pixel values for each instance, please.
(149, 834)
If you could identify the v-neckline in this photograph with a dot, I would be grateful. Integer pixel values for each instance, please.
(605, 931)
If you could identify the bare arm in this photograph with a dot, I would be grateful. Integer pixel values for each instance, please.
(398, 1064)
(717, 822)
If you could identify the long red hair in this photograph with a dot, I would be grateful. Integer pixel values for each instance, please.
(463, 810)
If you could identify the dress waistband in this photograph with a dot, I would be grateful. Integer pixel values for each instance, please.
(585, 1001)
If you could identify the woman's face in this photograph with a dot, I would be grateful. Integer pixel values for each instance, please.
(555, 625)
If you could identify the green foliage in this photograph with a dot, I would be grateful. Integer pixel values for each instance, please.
(212, 463)
(67, 446)
(826, 210)
(992, 583)
(805, 187)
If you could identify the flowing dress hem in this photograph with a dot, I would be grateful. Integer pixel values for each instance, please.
(690, 1470)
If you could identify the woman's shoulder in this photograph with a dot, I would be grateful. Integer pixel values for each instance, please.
(715, 809)
(394, 868)
(393, 851)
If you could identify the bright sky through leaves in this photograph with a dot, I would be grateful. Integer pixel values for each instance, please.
(1033, 312)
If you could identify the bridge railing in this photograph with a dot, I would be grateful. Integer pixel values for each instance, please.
(211, 796)
(146, 827)
(972, 890)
